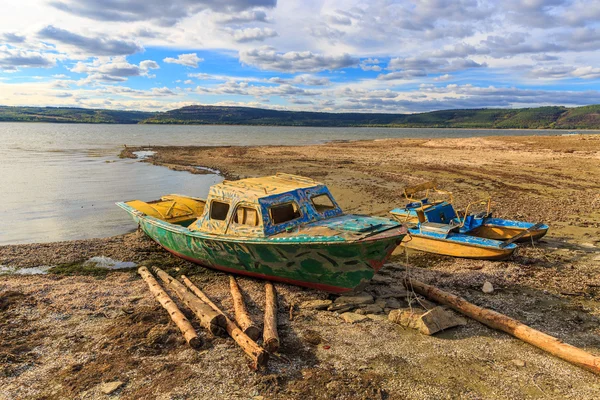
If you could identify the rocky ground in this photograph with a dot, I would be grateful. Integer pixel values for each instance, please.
(73, 332)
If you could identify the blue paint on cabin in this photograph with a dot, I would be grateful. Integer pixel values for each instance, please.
(302, 198)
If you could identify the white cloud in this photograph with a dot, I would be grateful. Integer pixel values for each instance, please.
(295, 61)
(251, 34)
(13, 59)
(189, 60)
(116, 70)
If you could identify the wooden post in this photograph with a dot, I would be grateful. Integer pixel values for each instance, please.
(242, 317)
(254, 351)
(177, 316)
(209, 318)
(511, 326)
(270, 336)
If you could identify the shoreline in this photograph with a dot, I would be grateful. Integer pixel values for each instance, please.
(385, 127)
(553, 286)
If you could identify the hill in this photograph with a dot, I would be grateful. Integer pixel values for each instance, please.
(554, 117)
(68, 114)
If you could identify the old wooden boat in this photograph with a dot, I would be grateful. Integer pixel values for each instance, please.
(284, 228)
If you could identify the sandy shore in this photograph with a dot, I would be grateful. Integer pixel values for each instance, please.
(63, 334)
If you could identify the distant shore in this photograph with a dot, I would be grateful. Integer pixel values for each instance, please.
(550, 117)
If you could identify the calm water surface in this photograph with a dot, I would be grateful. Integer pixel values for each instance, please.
(60, 181)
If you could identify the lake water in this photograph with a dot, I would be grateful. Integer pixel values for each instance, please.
(60, 181)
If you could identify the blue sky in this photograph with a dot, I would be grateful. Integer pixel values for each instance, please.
(329, 55)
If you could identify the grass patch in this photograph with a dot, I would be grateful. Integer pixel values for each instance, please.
(78, 268)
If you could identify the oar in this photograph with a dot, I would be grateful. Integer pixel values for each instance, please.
(520, 235)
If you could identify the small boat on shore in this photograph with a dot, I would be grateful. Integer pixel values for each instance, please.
(437, 228)
(284, 228)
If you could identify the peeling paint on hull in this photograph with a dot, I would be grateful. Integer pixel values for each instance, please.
(333, 266)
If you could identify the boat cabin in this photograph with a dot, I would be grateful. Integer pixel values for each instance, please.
(265, 206)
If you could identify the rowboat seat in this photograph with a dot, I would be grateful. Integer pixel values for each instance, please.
(438, 228)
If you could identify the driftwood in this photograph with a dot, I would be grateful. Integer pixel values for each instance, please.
(254, 351)
(209, 318)
(270, 336)
(177, 316)
(511, 326)
(242, 317)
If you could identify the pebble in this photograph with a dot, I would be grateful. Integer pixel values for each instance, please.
(370, 309)
(487, 287)
(110, 387)
(315, 304)
(353, 318)
(518, 363)
(361, 298)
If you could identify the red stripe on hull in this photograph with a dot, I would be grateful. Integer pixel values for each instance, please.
(318, 286)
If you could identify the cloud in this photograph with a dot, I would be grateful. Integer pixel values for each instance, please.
(9, 37)
(416, 67)
(339, 20)
(189, 60)
(13, 59)
(165, 13)
(247, 89)
(251, 34)
(304, 79)
(442, 78)
(295, 61)
(113, 71)
(96, 46)
(370, 64)
(243, 17)
(565, 71)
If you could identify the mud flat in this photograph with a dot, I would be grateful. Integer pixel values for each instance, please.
(65, 333)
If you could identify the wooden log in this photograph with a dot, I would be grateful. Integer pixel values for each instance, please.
(242, 317)
(258, 355)
(209, 318)
(509, 325)
(270, 336)
(190, 335)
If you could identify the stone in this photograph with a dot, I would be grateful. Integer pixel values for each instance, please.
(381, 280)
(110, 387)
(487, 287)
(353, 318)
(377, 317)
(370, 309)
(429, 322)
(395, 266)
(360, 298)
(392, 302)
(315, 304)
(342, 308)
(518, 363)
(381, 302)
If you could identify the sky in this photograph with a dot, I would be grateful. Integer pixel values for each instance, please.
(386, 56)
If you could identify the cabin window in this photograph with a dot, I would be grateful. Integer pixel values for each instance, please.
(322, 203)
(219, 210)
(284, 212)
(246, 216)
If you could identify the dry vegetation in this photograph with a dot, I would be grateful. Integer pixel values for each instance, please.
(63, 334)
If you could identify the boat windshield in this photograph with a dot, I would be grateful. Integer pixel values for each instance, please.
(285, 212)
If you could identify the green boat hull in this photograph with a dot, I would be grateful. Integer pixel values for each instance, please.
(317, 262)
